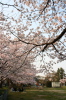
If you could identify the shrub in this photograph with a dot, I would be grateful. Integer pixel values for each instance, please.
(48, 84)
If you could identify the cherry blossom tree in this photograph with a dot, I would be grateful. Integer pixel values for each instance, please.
(38, 24)
(13, 65)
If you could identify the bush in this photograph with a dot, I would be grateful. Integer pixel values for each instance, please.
(48, 84)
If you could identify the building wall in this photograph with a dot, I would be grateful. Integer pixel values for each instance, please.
(55, 84)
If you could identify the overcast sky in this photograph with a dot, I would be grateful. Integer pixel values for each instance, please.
(61, 64)
(56, 66)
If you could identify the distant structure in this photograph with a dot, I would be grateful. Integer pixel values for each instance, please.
(63, 81)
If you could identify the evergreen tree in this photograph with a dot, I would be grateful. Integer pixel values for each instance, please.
(60, 73)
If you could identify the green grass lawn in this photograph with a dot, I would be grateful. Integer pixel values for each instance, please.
(39, 94)
(2, 90)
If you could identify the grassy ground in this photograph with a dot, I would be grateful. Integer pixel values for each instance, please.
(39, 94)
(2, 90)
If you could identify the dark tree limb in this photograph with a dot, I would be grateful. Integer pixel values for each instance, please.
(58, 51)
(55, 40)
(60, 36)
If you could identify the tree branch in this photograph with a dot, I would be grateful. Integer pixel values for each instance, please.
(59, 37)
(55, 40)
(58, 51)
(44, 8)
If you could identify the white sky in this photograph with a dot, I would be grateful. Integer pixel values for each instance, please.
(56, 66)
(61, 64)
